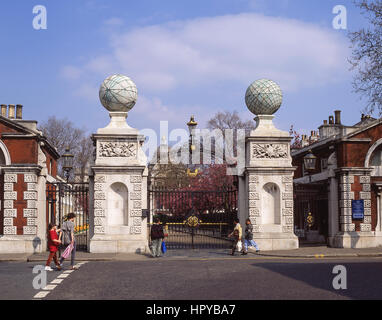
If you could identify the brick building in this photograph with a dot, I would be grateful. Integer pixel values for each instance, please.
(343, 192)
(27, 163)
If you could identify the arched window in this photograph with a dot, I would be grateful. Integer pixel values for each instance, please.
(270, 208)
(5, 158)
(2, 158)
(117, 211)
(376, 162)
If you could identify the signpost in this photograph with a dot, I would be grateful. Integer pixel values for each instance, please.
(358, 209)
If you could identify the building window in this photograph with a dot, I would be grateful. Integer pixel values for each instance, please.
(376, 162)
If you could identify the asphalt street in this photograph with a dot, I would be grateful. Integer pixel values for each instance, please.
(199, 278)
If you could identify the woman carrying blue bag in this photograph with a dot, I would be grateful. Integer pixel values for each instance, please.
(165, 234)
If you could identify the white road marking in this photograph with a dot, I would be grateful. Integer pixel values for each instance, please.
(49, 287)
(41, 294)
(57, 281)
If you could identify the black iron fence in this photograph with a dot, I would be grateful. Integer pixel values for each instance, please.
(64, 198)
(311, 209)
(194, 219)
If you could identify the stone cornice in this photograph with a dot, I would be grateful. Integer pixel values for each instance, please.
(354, 170)
(21, 169)
(271, 170)
(117, 169)
(129, 137)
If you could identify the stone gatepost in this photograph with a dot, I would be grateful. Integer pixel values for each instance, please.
(119, 176)
(267, 198)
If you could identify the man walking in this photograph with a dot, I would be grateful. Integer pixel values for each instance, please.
(248, 238)
(157, 236)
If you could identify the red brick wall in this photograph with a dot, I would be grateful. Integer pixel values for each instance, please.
(22, 150)
(5, 128)
(20, 204)
(51, 163)
(354, 153)
(54, 168)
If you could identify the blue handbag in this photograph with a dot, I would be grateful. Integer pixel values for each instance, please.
(164, 249)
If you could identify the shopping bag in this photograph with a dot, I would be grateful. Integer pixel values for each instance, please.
(67, 251)
(239, 246)
(164, 249)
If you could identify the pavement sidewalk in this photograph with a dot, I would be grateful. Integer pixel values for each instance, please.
(304, 252)
(324, 252)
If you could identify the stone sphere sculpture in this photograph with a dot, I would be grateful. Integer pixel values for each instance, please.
(118, 93)
(263, 97)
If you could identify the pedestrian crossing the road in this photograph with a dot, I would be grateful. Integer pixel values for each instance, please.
(56, 282)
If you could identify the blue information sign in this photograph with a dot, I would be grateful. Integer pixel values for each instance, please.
(358, 210)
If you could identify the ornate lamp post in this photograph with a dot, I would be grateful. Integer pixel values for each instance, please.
(191, 127)
(310, 164)
(67, 163)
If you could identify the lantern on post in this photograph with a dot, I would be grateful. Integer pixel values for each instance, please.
(68, 160)
(310, 163)
(191, 127)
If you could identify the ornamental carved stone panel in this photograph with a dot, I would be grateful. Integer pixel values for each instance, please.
(117, 150)
(269, 151)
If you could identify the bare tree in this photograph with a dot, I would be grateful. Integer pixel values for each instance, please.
(62, 134)
(228, 120)
(367, 55)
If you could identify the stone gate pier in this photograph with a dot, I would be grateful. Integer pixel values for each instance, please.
(266, 187)
(118, 182)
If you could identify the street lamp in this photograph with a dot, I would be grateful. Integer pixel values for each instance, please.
(67, 163)
(191, 127)
(310, 163)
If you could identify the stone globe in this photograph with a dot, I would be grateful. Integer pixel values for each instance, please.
(118, 93)
(263, 97)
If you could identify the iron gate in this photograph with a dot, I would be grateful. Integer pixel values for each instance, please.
(194, 219)
(64, 198)
(311, 205)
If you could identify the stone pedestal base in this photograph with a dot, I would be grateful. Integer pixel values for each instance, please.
(117, 244)
(276, 241)
(21, 244)
(356, 240)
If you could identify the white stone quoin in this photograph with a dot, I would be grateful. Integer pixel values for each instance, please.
(267, 181)
(118, 181)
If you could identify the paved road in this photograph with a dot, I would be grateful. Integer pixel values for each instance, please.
(198, 278)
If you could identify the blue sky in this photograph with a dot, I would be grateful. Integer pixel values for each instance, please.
(186, 57)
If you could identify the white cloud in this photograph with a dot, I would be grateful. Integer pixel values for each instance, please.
(154, 110)
(114, 22)
(229, 50)
(87, 92)
(239, 48)
(71, 73)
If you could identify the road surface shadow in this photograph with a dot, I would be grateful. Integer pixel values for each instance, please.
(364, 279)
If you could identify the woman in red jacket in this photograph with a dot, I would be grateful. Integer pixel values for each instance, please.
(53, 243)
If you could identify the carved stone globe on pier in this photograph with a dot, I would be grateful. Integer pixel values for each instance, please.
(264, 97)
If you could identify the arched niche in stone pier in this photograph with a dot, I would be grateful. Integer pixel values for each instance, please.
(117, 206)
(270, 204)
